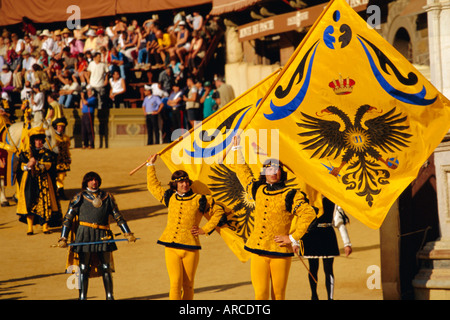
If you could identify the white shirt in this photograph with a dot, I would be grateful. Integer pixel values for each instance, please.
(116, 85)
(74, 86)
(38, 102)
(338, 222)
(25, 93)
(6, 77)
(28, 63)
(19, 44)
(48, 46)
(98, 72)
(197, 22)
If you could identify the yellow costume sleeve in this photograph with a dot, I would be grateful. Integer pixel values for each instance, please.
(153, 184)
(8, 147)
(216, 210)
(243, 172)
(305, 215)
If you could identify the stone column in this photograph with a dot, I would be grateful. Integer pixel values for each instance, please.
(438, 12)
(434, 39)
(445, 46)
(433, 279)
(432, 282)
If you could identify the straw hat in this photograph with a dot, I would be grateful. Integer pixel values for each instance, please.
(46, 33)
(65, 30)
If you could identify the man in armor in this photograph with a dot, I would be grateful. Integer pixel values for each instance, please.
(87, 217)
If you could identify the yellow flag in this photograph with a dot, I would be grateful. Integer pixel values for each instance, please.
(356, 120)
(203, 153)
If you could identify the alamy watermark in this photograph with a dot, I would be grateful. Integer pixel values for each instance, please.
(374, 280)
(374, 16)
(74, 20)
(73, 281)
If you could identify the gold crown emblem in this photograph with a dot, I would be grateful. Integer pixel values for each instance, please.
(342, 86)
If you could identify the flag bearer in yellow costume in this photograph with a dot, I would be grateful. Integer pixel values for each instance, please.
(63, 159)
(270, 243)
(180, 237)
(37, 202)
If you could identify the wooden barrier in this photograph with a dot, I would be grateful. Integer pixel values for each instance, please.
(115, 128)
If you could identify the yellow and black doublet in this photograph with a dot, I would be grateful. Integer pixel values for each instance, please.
(37, 195)
(63, 159)
(275, 208)
(185, 211)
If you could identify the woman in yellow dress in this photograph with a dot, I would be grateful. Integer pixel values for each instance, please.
(180, 237)
(270, 243)
(37, 202)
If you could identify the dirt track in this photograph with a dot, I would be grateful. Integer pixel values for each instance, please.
(32, 270)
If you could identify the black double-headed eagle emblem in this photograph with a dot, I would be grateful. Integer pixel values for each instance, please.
(360, 144)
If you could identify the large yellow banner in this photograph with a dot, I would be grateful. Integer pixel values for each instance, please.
(348, 115)
(356, 119)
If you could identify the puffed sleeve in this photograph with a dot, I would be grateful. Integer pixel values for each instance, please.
(213, 212)
(154, 185)
(340, 220)
(244, 173)
(305, 213)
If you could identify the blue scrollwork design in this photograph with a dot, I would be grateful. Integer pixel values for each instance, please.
(414, 99)
(200, 152)
(281, 112)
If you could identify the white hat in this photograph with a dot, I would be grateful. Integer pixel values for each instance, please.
(5, 96)
(91, 33)
(46, 33)
(147, 87)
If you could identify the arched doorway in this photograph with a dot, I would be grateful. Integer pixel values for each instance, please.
(402, 42)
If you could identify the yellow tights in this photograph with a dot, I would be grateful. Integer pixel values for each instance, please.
(181, 265)
(60, 179)
(30, 223)
(269, 271)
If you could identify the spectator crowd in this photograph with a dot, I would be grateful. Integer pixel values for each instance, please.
(70, 66)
